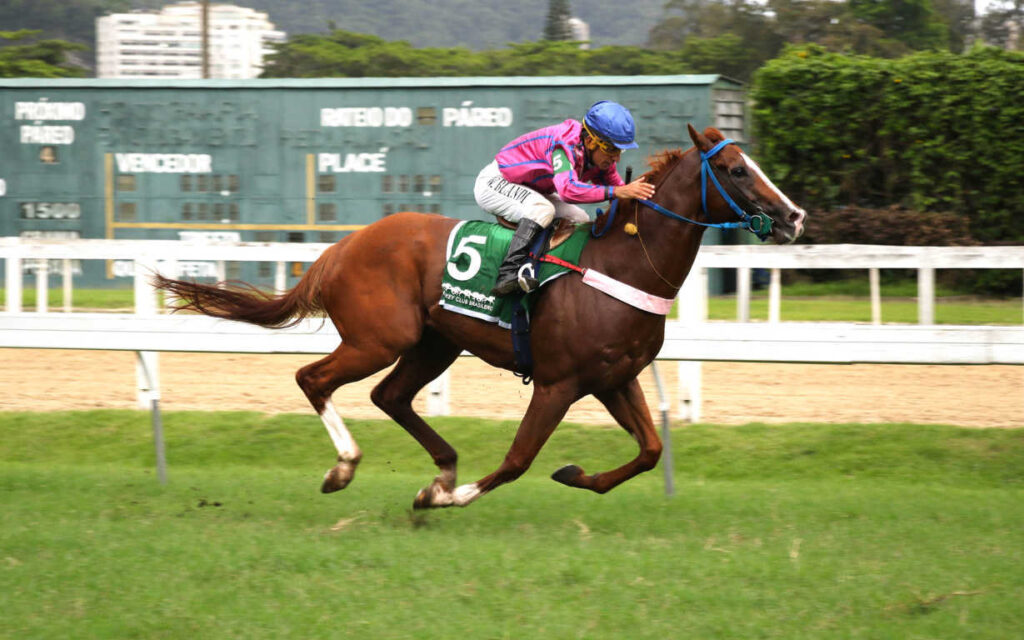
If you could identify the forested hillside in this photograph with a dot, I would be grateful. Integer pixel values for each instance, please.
(475, 24)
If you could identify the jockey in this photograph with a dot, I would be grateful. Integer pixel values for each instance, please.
(540, 175)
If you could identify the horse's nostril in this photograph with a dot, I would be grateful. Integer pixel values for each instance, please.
(796, 216)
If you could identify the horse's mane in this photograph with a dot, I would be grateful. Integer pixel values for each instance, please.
(660, 164)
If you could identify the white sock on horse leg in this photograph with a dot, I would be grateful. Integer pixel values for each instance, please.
(343, 441)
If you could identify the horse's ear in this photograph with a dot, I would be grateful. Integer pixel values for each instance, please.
(699, 139)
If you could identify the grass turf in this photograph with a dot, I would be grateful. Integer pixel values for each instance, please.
(795, 531)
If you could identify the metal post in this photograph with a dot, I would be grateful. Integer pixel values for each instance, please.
(158, 442)
(666, 434)
(146, 364)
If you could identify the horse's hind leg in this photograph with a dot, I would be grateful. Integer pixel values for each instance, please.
(628, 407)
(394, 395)
(547, 407)
(319, 380)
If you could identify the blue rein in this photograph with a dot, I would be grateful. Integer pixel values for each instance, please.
(758, 223)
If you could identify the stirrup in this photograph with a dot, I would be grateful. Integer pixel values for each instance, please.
(527, 278)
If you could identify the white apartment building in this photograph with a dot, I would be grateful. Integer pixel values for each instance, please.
(580, 31)
(167, 44)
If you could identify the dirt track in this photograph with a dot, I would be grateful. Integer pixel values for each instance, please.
(984, 396)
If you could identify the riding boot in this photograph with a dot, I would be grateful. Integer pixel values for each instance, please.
(518, 253)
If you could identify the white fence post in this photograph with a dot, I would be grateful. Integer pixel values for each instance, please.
(775, 297)
(876, 295)
(926, 295)
(743, 294)
(66, 278)
(692, 305)
(42, 285)
(280, 278)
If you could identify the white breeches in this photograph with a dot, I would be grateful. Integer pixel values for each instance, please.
(513, 202)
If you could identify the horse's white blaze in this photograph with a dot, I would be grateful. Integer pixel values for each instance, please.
(343, 441)
(756, 169)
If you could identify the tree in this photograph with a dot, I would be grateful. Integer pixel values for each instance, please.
(731, 37)
(357, 55)
(71, 20)
(912, 22)
(42, 59)
(557, 25)
(884, 28)
(544, 58)
(726, 54)
(806, 21)
(1003, 24)
(959, 17)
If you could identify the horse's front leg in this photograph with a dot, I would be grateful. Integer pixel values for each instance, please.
(547, 408)
(628, 407)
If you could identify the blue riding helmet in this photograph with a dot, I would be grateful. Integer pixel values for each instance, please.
(612, 122)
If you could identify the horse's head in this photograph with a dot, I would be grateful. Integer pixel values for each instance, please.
(747, 186)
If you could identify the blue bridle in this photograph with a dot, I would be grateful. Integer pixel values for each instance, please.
(757, 223)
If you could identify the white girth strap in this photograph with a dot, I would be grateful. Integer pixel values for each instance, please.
(626, 293)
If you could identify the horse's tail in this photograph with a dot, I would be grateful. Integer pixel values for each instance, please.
(237, 300)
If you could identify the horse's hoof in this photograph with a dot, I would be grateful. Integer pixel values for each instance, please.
(568, 475)
(433, 496)
(422, 500)
(338, 477)
(428, 498)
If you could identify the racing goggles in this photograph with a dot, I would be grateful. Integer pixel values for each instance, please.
(605, 145)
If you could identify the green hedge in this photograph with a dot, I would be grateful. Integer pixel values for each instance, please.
(930, 132)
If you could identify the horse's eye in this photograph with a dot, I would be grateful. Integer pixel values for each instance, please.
(738, 172)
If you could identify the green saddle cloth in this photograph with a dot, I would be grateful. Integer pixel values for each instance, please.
(475, 251)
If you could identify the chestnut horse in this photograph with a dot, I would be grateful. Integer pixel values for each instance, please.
(381, 287)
